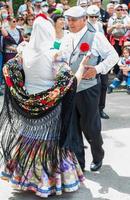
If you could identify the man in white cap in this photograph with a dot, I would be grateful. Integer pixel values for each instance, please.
(85, 116)
(93, 13)
(83, 3)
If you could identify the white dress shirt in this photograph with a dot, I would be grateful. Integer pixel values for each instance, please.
(100, 47)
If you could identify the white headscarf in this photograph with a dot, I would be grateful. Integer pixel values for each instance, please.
(37, 56)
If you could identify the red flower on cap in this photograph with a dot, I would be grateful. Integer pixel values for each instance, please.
(84, 47)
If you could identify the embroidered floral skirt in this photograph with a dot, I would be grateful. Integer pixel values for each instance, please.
(37, 163)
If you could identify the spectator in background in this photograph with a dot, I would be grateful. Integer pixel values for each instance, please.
(12, 37)
(65, 4)
(118, 26)
(93, 13)
(84, 3)
(125, 10)
(24, 15)
(37, 7)
(104, 16)
(20, 23)
(115, 1)
(123, 76)
(110, 9)
(44, 7)
(4, 18)
(26, 7)
(8, 6)
(59, 22)
(28, 24)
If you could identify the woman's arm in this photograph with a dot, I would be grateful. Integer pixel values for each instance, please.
(80, 70)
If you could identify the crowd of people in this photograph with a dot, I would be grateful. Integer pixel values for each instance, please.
(54, 71)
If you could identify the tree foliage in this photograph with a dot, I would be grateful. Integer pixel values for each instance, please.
(16, 4)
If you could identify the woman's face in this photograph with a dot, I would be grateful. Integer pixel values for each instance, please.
(60, 23)
(20, 21)
(30, 21)
(126, 53)
(110, 10)
(13, 23)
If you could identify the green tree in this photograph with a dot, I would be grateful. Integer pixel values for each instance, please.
(16, 4)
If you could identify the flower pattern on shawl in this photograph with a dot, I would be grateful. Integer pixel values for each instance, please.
(36, 103)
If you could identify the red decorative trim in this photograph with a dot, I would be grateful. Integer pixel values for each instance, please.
(42, 15)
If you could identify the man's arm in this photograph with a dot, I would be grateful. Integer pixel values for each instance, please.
(103, 48)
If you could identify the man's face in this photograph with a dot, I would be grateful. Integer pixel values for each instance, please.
(76, 24)
(119, 11)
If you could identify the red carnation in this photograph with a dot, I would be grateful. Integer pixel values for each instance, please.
(127, 62)
(84, 47)
(9, 82)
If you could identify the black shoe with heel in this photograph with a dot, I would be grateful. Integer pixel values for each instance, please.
(103, 115)
(95, 166)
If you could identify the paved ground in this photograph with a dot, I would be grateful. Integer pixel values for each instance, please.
(112, 182)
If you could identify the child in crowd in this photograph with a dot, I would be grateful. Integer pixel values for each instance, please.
(123, 76)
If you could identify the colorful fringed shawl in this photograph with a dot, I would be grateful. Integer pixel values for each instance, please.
(34, 128)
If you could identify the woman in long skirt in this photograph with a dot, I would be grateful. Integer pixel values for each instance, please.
(34, 121)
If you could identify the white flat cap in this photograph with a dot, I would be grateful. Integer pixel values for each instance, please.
(117, 6)
(124, 6)
(93, 10)
(75, 11)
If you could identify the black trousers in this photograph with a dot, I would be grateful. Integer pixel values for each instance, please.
(86, 119)
(118, 49)
(104, 84)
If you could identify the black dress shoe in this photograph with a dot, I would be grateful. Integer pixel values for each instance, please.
(103, 115)
(95, 166)
(109, 90)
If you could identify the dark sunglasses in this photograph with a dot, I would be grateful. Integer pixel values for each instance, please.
(119, 10)
(93, 16)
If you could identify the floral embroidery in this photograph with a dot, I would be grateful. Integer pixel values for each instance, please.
(36, 103)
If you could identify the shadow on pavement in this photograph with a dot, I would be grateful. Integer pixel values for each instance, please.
(108, 178)
(82, 194)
